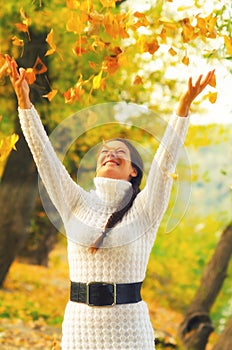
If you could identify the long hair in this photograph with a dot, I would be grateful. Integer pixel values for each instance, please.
(137, 163)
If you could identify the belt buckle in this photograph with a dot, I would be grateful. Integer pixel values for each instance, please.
(88, 294)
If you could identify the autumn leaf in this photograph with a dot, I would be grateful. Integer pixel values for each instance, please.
(30, 76)
(142, 21)
(151, 47)
(97, 80)
(212, 97)
(172, 51)
(185, 60)
(7, 144)
(110, 64)
(174, 176)
(77, 23)
(138, 80)
(50, 42)
(228, 44)
(75, 93)
(4, 68)
(51, 95)
(115, 25)
(39, 67)
(16, 41)
(108, 3)
(213, 82)
(188, 31)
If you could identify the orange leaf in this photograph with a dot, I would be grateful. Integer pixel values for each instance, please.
(51, 95)
(39, 67)
(110, 64)
(30, 76)
(213, 82)
(17, 42)
(138, 80)
(22, 27)
(75, 93)
(185, 60)
(115, 25)
(151, 47)
(172, 51)
(142, 21)
(188, 32)
(212, 96)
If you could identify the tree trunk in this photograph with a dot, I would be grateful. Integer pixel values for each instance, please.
(225, 340)
(18, 189)
(196, 326)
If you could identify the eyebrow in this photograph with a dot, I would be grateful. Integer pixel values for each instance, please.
(115, 149)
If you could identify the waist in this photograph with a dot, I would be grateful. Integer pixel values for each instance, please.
(105, 294)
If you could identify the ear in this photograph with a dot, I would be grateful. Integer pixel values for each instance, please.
(134, 172)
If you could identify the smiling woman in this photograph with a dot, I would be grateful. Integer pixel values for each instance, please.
(118, 217)
(114, 161)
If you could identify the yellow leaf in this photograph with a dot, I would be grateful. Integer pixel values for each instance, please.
(108, 3)
(77, 23)
(228, 44)
(185, 60)
(172, 51)
(138, 80)
(97, 81)
(50, 42)
(212, 96)
(174, 176)
(13, 140)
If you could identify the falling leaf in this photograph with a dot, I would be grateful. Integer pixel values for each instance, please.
(77, 23)
(17, 42)
(213, 82)
(188, 32)
(39, 67)
(22, 27)
(108, 3)
(172, 51)
(174, 176)
(50, 42)
(97, 80)
(185, 60)
(142, 21)
(228, 44)
(151, 47)
(51, 95)
(30, 76)
(212, 96)
(75, 93)
(115, 25)
(110, 64)
(138, 80)
(4, 67)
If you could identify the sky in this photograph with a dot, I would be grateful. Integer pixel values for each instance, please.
(221, 111)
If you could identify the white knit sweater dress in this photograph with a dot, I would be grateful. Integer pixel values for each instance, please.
(125, 252)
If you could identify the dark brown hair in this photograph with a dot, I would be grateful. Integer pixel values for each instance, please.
(137, 163)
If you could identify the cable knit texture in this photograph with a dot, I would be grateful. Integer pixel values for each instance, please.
(125, 252)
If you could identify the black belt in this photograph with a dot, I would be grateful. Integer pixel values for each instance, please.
(105, 294)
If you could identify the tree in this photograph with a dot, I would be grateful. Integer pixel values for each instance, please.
(197, 326)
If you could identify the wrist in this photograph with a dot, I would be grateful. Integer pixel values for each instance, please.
(24, 103)
(183, 106)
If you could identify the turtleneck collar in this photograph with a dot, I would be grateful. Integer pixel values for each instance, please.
(113, 192)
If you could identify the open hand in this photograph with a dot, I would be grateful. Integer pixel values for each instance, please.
(19, 83)
(192, 92)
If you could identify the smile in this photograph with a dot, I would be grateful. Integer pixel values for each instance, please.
(111, 161)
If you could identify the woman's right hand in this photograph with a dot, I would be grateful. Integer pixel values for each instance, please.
(20, 85)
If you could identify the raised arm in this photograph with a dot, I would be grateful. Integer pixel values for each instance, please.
(62, 190)
(157, 191)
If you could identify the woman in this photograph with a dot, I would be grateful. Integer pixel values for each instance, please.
(111, 229)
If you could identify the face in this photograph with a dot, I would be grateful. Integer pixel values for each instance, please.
(114, 161)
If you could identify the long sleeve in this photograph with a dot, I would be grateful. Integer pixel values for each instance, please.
(62, 190)
(155, 195)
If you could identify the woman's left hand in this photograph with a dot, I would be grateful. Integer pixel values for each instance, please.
(192, 92)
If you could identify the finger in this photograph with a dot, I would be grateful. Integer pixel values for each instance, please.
(199, 80)
(190, 83)
(207, 78)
